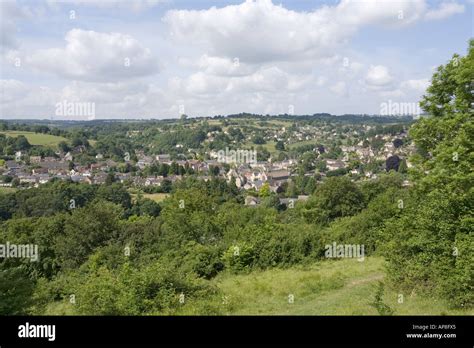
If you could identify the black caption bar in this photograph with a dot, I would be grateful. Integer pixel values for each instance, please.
(413, 330)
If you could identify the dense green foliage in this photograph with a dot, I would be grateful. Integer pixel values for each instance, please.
(431, 244)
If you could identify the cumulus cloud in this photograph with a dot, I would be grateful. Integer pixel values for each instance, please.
(260, 31)
(265, 80)
(220, 66)
(407, 89)
(382, 12)
(257, 31)
(93, 56)
(378, 76)
(255, 56)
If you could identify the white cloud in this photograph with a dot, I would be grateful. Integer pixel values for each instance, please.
(135, 5)
(93, 56)
(12, 90)
(381, 12)
(378, 76)
(265, 80)
(446, 9)
(321, 81)
(255, 56)
(416, 85)
(339, 88)
(396, 93)
(219, 66)
(259, 31)
(10, 13)
(18, 99)
(102, 93)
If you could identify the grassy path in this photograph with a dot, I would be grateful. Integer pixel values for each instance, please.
(343, 287)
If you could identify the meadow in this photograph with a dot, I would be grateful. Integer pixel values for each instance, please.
(36, 138)
(342, 287)
(157, 197)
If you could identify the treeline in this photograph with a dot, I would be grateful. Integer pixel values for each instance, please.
(36, 128)
(346, 118)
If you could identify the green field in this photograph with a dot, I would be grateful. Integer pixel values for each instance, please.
(7, 190)
(157, 197)
(269, 146)
(281, 123)
(37, 138)
(343, 287)
(301, 143)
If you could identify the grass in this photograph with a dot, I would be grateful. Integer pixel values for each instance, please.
(269, 146)
(157, 197)
(281, 123)
(305, 142)
(343, 287)
(7, 189)
(37, 138)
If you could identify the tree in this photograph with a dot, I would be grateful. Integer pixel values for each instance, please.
(76, 141)
(321, 166)
(16, 290)
(430, 244)
(397, 143)
(377, 143)
(280, 146)
(392, 163)
(85, 230)
(403, 168)
(258, 139)
(64, 147)
(144, 206)
(115, 193)
(310, 186)
(262, 153)
(166, 186)
(22, 143)
(336, 197)
(186, 217)
(450, 89)
(110, 179)
(264, 190)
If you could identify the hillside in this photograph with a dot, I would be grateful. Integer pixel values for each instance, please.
(37, 138)
(344, 287)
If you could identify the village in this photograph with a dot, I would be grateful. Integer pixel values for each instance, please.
(356, 151)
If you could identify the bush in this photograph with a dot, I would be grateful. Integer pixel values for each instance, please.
(239, 257)
(156, 289)
(204, 260)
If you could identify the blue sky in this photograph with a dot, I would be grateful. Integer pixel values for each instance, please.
(156, 58)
